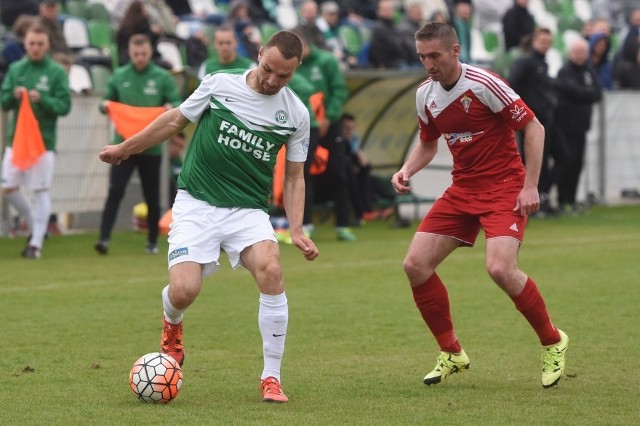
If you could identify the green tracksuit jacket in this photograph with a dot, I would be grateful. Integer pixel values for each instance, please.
(151, 87)
(322, 70)
(47, 77)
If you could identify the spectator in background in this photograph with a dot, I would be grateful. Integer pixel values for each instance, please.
(148, 86)
(46, 85)
(578, 88)
(629, 72)
(412, 22)
(610, 10)
(361, 10)
(323, 71)
(517, 23)
(12, 9)
(388, 48)
(227, 57)
(329, 24)
(366, 190)
(13, 49)
(599, 46)
(429, 7)
(247, 30)
(488, 14)
(136, 21)
(462, 15)
(308, 24)
(162, 16)
(529, 77)
(49, 19)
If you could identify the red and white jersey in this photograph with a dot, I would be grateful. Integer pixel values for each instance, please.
(477, 118)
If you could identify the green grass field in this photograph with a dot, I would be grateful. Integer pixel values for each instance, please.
(73, 323)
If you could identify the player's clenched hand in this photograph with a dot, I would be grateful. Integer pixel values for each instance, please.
(113, 154)
(305, 245)
(528, 201)
(400, 182)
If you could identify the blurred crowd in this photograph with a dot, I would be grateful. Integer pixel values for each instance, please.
(360, 34)
(544, 48)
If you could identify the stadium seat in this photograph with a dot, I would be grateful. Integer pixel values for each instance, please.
(79, 79)
(582, 10)
(287, 17)
(170, 52)
(183, 30)
(98, 12)
(491, 41)
(76, 33)
(99, 77)
(100, 34)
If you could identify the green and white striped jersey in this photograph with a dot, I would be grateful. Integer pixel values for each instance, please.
(239, 132)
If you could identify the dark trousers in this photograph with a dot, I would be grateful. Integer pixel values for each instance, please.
(569, 173)
(309, 192)
(334, 181)
(149, 171)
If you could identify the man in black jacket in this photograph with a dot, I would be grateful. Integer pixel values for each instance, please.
(529, 77)
(578, 88)
(388, 48)
(517, 23)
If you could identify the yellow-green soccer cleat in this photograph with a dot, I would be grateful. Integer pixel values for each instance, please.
(553, 361)
(446, 364)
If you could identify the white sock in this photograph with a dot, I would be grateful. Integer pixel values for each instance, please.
(41, 212)
(173, 315)
(20, 203)
(273, 316)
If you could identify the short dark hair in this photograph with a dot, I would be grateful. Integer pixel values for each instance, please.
(437, 31)
(139, 40)
(288, 43)
(37, 28)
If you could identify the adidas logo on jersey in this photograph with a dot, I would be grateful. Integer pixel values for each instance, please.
(514, 227)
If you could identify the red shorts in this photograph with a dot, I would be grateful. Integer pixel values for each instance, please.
(460, 215)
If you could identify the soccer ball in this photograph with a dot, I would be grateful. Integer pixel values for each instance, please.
(155, 377)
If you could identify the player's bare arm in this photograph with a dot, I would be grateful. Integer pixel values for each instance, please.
(162, 128)
(420, 157)
(294, 206)
(528, 201)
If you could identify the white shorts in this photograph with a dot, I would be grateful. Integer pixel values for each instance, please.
(199, 230)
(36, 178)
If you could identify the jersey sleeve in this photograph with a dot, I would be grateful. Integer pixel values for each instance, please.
(298, 143)
(517, 114)
(426, 125)
(504, 101)
(193, 107)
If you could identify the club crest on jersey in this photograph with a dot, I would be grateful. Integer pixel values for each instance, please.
(466, 103)
(281, 117)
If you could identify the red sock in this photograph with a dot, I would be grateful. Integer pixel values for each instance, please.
(432, 301)
(530, 304)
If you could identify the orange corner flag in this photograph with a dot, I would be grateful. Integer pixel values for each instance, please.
(128, 119)
(28, 145)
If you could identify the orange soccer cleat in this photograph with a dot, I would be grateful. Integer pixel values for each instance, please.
(271, 391)
(171, 341)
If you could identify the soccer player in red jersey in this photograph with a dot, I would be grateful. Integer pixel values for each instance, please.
(476, 112)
